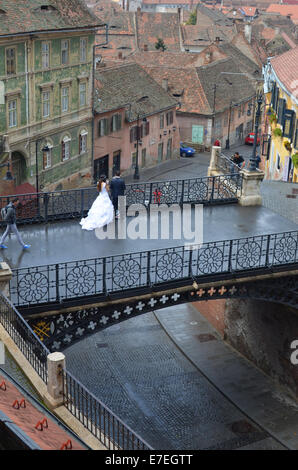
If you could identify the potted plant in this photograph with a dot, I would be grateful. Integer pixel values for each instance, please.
(277, 132)
(287, 145)
(272, 117)
(295, 160)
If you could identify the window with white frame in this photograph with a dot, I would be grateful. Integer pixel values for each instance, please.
(82, 90)
(83, 142)
(64, 52)
(47, 158)
(12, 113)
(83, 49)
(45, 54)
(64, 98)
(45, 104)
(65, 148)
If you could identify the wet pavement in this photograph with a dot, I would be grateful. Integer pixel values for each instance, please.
(64, 241)
(141, 375)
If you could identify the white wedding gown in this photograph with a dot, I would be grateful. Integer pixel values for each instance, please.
(101, 212)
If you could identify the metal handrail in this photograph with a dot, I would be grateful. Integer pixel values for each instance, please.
(67, 204)
(108, 428)
(115, 435)
(124, 272)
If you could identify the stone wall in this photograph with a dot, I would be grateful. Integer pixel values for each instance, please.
(261, 331)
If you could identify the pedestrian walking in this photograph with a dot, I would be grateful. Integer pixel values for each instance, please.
(10, 219)
(117, 188)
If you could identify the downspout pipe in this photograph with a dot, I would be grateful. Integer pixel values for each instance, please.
(92, 97)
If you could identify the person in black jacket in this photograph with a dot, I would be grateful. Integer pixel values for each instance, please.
(11, 219)
(117, 188)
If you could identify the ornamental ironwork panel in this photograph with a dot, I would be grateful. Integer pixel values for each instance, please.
(74, 203)
(114, 274)
(63, 329)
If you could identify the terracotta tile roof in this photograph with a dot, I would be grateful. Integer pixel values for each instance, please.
(286, 68)
(284, 10)
(288, 39)
(268, 33)
(229, 88)
(151, 26)
(26, 418)
(26, 16)
(191, 81)
(117, 86)
(248, 11)
(185, 85)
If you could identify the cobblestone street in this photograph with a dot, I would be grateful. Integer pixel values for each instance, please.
(137, 371)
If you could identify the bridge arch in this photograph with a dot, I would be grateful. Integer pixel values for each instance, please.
(59, 329)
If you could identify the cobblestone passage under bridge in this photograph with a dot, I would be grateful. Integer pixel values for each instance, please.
(138, 372)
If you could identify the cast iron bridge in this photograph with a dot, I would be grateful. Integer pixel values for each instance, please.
(64, 301)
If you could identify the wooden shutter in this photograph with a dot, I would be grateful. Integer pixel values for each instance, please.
(273, 93)
(280, 110)
(289, 121)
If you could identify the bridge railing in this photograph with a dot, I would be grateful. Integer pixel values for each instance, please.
(67, 204)
(114, 274)
(97, 418)
(226, 164)
(25, 339)
(90, 411)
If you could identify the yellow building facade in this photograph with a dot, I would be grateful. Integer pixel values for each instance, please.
(281, 125)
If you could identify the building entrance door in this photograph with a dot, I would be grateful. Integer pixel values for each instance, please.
(101, 167)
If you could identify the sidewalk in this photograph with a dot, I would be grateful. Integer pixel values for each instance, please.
(255, 394)
(181, 168)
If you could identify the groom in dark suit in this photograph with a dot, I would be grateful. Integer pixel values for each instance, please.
(117, 188)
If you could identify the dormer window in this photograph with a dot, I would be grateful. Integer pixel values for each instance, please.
(47, 8)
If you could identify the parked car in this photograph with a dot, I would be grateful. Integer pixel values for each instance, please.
(249, 139)
(186, 151)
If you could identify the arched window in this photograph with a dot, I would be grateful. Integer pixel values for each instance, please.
(83, 141)
(65, 148)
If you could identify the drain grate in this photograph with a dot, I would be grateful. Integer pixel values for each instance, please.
(102, 345)
(242, 427)
(204, 337)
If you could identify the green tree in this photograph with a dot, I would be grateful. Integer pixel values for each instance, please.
(160, 44)
(192, 18)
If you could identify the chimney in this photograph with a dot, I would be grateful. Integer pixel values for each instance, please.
(208, 57)
(165, 84)
(127, 5)
(146, 47)
(217, 39)
(277, 31)
(179, 14)
(247, 32)
(120, 55)
(138, 10)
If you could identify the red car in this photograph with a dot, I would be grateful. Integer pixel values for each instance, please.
(249, 140)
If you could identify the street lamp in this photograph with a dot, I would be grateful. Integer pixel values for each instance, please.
(214, 101)
(253, 158)
(136, 175)
(46, 149)
(8, 176)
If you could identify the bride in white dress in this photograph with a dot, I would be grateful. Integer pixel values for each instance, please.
(102, 211)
